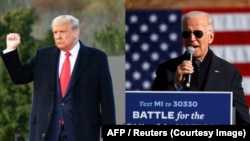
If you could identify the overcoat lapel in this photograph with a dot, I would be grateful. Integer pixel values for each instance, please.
(52, 67)
(213, 81)
(81, 63)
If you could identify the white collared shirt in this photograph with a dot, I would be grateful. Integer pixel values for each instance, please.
(72, 57)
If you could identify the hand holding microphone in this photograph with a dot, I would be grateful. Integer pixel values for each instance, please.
(185, 68)
(190, 51)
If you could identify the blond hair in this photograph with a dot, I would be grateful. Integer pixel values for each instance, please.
(65, 19)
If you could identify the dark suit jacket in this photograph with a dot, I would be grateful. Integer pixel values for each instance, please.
(90, 85)
(222, 76)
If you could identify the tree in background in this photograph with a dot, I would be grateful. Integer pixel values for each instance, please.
(15, 100)
(111, 36)
(111, 39)
(102, 23)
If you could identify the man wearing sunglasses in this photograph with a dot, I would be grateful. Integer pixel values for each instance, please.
(210, 74)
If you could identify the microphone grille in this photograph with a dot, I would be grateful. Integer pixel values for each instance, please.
(190, 49)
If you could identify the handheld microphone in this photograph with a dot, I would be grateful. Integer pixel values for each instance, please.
(190, 51)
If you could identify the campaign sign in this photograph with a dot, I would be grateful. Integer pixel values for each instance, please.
(178, 108)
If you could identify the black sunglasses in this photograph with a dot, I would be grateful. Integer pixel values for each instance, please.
(187, 34)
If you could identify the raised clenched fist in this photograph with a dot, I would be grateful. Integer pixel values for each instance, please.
(13, 40)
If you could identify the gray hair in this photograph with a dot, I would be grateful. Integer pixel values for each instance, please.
(65, 19)
(198, 13)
